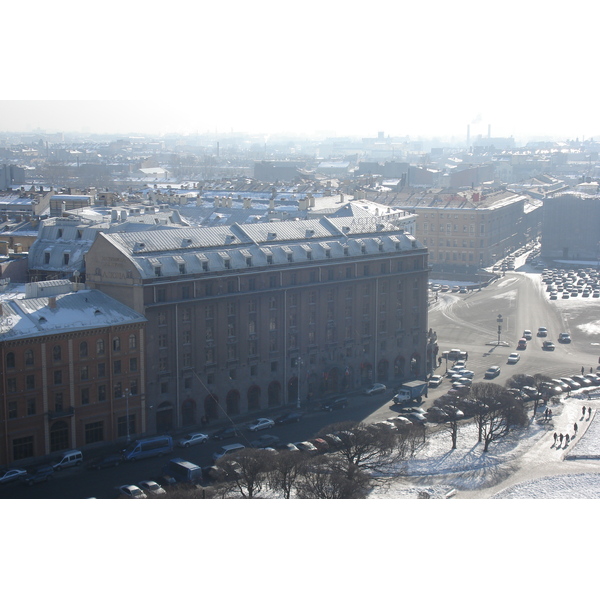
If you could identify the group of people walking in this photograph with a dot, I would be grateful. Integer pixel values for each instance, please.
(559, 438)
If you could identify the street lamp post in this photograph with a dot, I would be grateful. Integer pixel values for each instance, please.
(299, 363)
(127, 412)
(499, 321)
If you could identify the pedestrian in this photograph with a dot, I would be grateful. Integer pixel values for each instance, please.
(591, 371)
(560, 437)
(582, 370)
(575, 428)
(589, 411)
(567, 439)
(583, 412)
(549, 413)
(555, 437)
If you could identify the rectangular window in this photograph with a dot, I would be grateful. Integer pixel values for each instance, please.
(101, 369)
(23, 448)
(101, 393)
(117, 390)
(94, 432)
(12, 409)
(117, 367)
(84, 374)
(57, 377)
(30, 382)
(85, 396)
(31, 407)
(133, 364)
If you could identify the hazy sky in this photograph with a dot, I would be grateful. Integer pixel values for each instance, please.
(525, 68)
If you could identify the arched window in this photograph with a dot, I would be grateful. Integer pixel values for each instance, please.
(132, 342)
(10, 360)
(83, 350)
(100, 347)
(116, 344)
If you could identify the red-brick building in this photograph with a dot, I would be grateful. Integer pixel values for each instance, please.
(72, 372)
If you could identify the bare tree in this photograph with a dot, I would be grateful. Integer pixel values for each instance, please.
(498, 411)
(285, 472)
(248, 470)
(326, 477)
(364, 446)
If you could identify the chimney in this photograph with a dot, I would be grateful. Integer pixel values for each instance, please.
(52, 302)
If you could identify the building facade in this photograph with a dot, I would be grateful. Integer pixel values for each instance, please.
(248, 317)
(72, 372)
(571, 228)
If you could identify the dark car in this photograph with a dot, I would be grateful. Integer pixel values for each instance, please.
(291, 417)
(335, 404)
(226, 432)
(265, 441)
(39, 475)
(112, 460)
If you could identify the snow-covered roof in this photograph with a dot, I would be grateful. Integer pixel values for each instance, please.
(85, 309)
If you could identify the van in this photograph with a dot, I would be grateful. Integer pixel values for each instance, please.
(72, 458)
(228, 449)
(183, 471)
(156, 446)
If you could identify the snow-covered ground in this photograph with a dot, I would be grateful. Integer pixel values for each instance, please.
(526, 464)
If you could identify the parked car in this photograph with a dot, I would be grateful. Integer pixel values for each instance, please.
(9, 475)
(288, 447)
(492, 372)
(39, 475)
(513, 358)
(260, 424)
(306, 447)
(112, 460)
(151, 487)
(131, 491)
(320, 444)
(376, 388)
(191, 439)
(582, 380)
(417, 417)
(265, 441)
(226, 432)
(435, 380)
(335, 404)
(547, 345)
(290, 417)
(573, 385)
(333, 440)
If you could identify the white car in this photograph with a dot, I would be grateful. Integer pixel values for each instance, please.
(513, 358)
(261, 423)
(131, 491)
(151, 487)
(376, 388)
(191, 439)
(12, 475)
(435, 380)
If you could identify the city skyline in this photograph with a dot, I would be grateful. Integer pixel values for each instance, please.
(328, 68)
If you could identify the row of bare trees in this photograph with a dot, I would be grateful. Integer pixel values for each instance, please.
(360, 461)
(495, 409)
